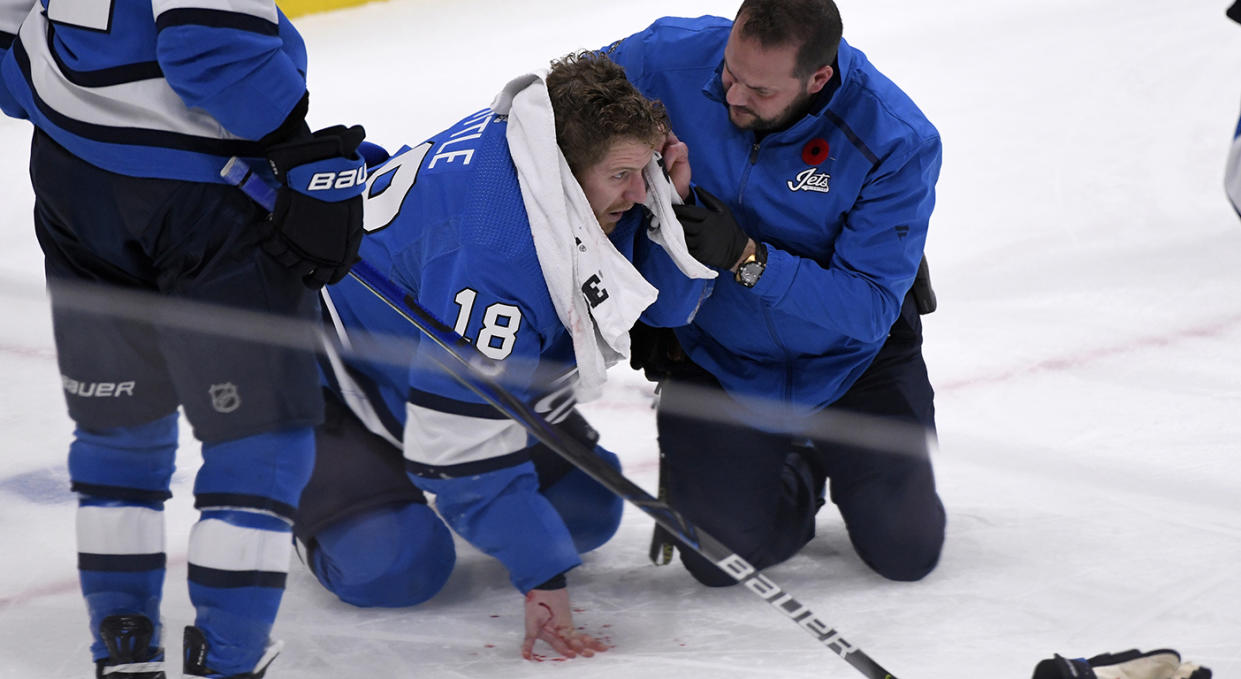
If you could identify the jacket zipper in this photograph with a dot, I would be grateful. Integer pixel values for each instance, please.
(767, 319)
(745, 176)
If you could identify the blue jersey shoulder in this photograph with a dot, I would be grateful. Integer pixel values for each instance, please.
(84, 76)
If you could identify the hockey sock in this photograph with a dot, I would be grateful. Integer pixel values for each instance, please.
(247, 491)
(122, 479)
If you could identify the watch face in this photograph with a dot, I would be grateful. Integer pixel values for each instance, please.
(749, 273)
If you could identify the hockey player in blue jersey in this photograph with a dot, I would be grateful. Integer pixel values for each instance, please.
(542, 261)
(830, 169)
(137, 106)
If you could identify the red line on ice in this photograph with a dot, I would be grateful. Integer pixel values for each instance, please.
(1100, 353)
(60, 587)
(27, 352)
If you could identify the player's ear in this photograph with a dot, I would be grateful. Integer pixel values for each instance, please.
(820, 78)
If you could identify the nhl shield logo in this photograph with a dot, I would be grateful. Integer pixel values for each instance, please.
(224, 397)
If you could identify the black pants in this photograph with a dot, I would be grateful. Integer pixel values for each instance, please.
(735, 481)
(108, 238)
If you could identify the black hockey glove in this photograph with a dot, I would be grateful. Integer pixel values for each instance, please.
(318, 217)
(711, 233)
(654, 351)
(549, 465)
(1134, 664)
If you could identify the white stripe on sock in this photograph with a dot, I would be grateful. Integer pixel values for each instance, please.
(120, 530)
(220, 545)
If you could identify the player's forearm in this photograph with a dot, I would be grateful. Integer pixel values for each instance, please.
(503, 514)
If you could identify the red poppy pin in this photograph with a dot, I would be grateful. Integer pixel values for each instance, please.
(815, 151)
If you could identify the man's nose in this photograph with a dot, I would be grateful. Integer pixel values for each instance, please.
(635, 191)
(735, 96)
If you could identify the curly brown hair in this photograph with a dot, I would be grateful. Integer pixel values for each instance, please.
(595, 106)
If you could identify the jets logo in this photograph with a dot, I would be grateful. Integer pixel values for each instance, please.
(810, 179)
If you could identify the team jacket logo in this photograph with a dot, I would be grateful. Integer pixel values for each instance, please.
(224, 397)
(325, 181)
(810, 179)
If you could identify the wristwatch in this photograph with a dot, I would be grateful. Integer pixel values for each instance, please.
(753, 267)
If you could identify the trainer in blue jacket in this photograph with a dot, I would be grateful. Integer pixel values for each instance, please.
(137, 107)
(830, 169)
(452, 222)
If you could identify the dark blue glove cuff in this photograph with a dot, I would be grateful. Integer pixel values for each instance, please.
(558, 582)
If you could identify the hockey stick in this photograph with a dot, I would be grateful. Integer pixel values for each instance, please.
(662, 546)
(469, 374)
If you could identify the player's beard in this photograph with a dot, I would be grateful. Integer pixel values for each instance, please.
(752, 121)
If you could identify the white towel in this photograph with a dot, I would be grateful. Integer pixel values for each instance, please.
(569, 242)
(665, 229)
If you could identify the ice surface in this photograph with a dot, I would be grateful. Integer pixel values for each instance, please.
(1084, 354)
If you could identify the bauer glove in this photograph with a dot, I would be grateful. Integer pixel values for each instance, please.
(1161, 664)
(711, 234)
(318, 216)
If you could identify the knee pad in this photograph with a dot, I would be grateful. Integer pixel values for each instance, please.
(125, 462)
(264, 472)
(591, 512)
(393, 556)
